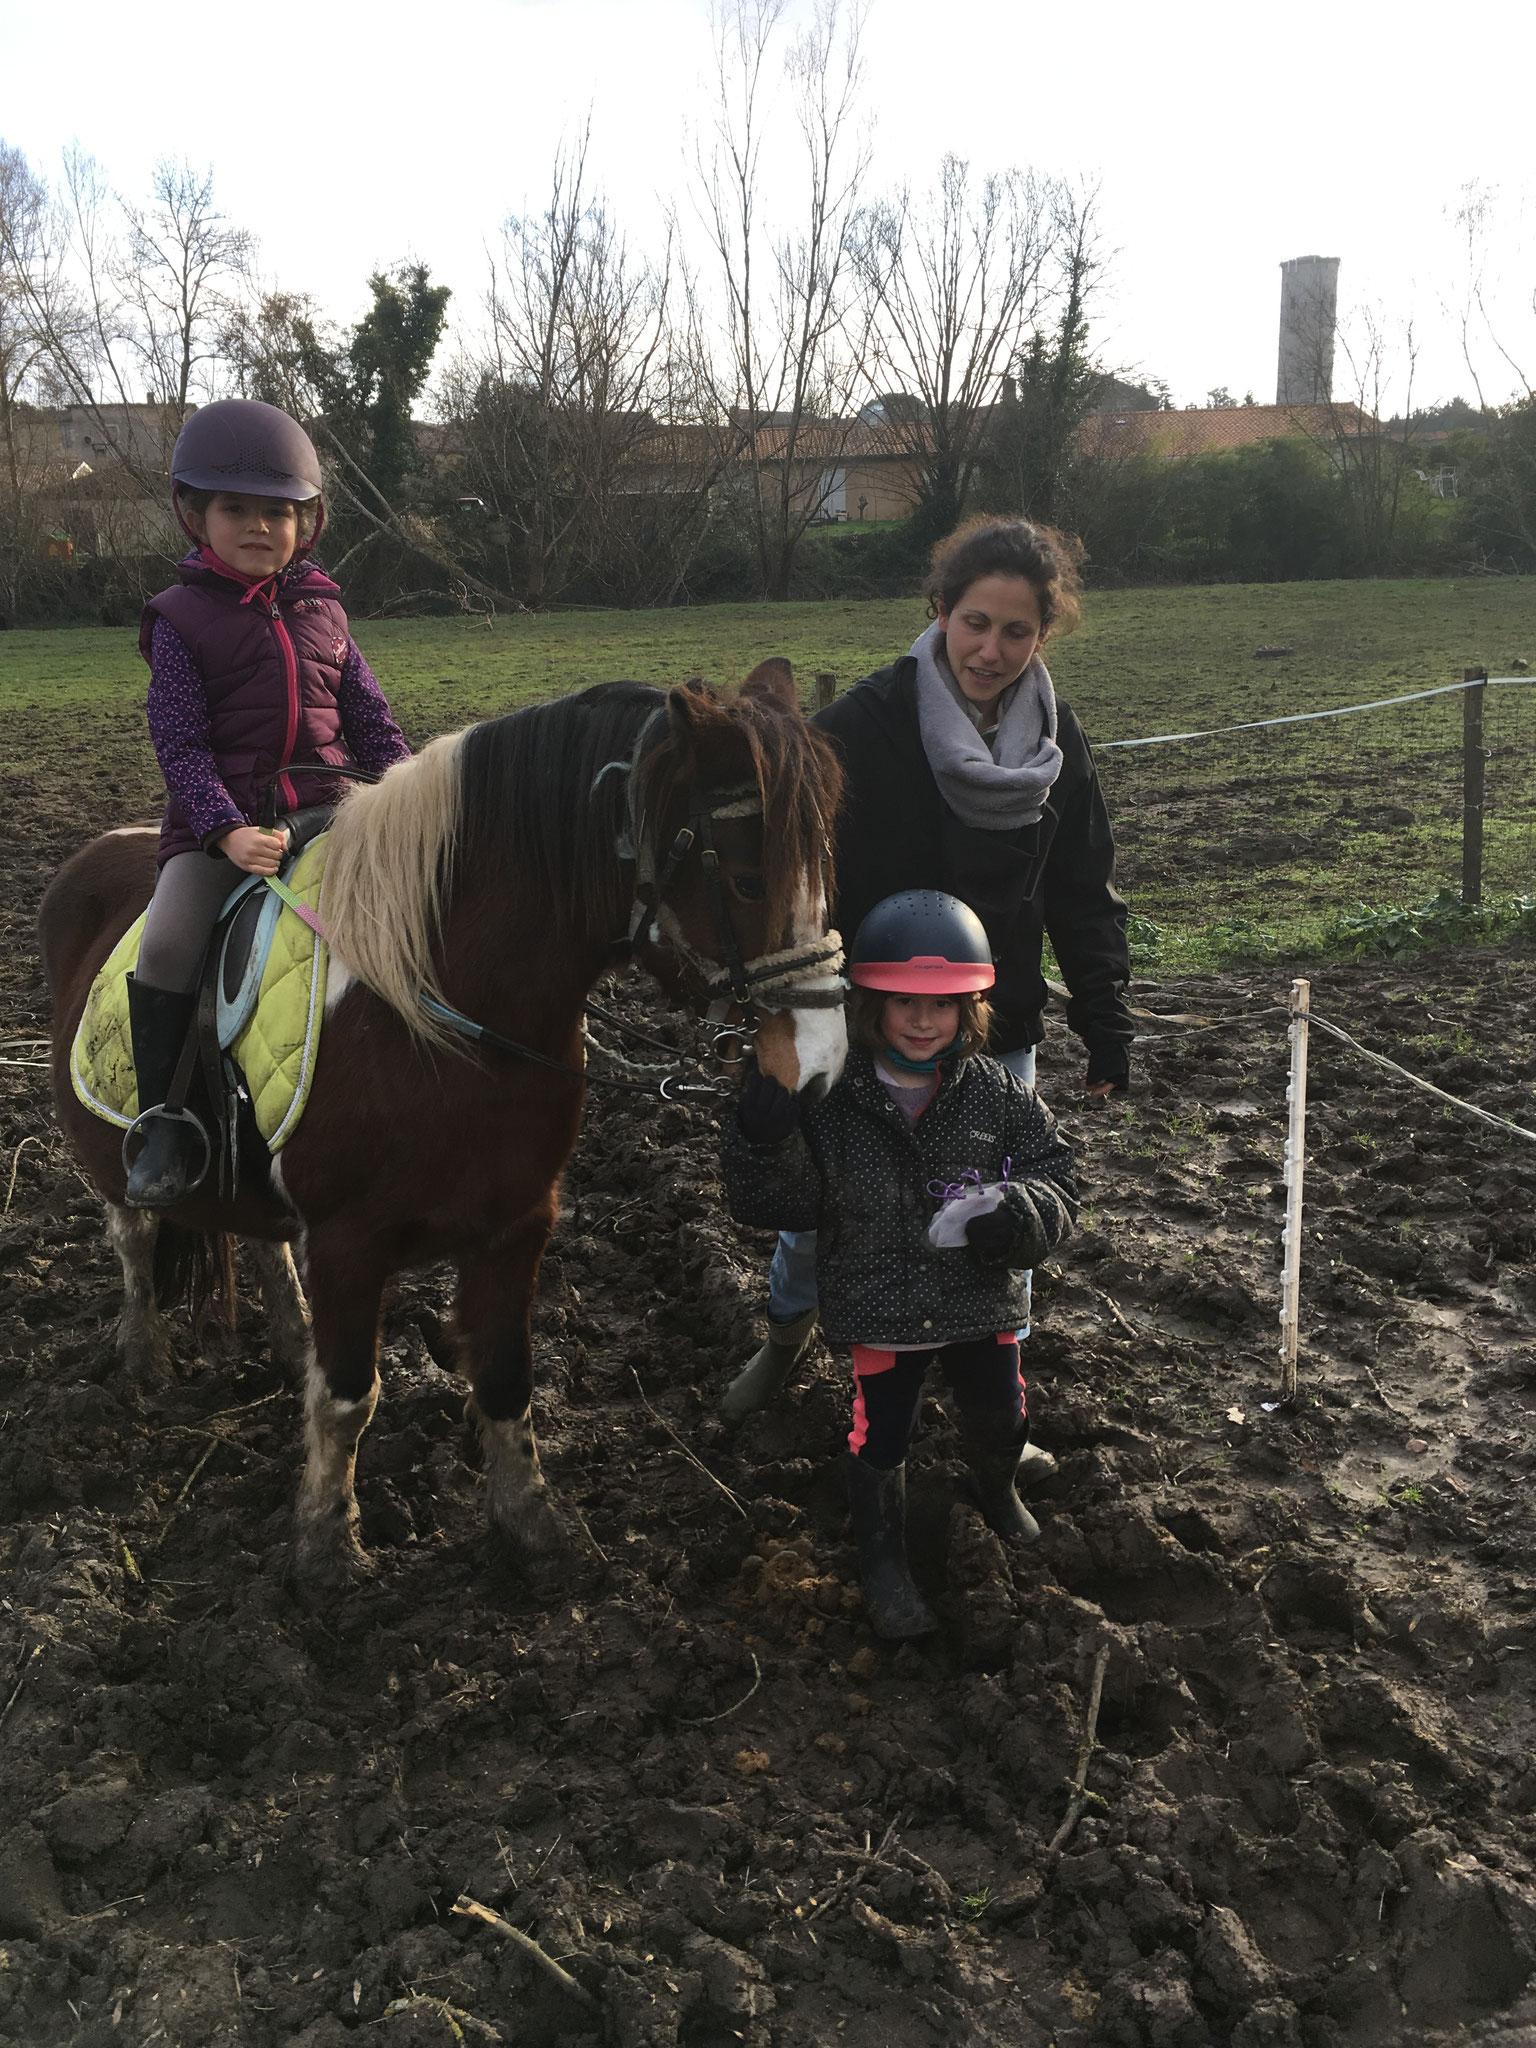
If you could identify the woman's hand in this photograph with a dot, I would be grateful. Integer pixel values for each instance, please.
(254, 849)
(1109, 1071)
(766, 1111)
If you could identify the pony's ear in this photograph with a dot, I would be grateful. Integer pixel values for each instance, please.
(773, 682)
(686, 708)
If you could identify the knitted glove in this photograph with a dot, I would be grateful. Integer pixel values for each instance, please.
(1032, 1217)
(766, 1111)
(1010, 1235)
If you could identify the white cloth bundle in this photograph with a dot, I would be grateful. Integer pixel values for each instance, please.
(959, 1202)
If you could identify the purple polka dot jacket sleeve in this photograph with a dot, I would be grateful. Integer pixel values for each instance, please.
(180, 728)
(371, 732)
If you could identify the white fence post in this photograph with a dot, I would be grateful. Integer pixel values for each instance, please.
(1295, 1168)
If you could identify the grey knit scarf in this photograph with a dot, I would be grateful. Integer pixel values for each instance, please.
(1002, 786)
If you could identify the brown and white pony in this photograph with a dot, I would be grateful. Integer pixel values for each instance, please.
(499, 873)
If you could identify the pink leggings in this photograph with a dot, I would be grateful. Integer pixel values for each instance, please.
(888, 1386)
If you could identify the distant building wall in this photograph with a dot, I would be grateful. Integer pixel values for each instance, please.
(1309, 305)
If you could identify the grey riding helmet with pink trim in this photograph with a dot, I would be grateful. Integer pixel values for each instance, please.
(241, 444)
(922, 942)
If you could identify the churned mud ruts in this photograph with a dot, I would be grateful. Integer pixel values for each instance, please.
(678, 1761)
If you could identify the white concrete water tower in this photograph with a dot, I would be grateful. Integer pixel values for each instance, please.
(1309, 305)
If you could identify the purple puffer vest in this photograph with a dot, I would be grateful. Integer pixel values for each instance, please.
(271, 667)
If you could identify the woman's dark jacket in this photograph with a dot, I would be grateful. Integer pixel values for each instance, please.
(895, 832)
(857, 1173)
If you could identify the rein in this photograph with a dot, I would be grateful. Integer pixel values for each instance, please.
(668, 1088)
(767, 980)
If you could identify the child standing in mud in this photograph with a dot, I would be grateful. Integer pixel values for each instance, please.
(935, 1179)
(252, 671)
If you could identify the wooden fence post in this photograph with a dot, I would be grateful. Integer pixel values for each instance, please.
(826, 688)
(1473, 756)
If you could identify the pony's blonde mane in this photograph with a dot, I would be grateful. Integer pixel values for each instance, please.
(391, 848)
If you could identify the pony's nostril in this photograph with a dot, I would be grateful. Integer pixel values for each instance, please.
(815, 1088)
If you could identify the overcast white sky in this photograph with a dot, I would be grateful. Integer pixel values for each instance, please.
(1225, 138)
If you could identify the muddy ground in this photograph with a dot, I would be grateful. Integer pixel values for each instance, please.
(681, 1763)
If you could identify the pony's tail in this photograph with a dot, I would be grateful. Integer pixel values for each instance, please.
(196, 1267)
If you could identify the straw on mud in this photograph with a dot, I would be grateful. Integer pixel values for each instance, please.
(1080, 1793)
(697, 1463)
(471, 1909)
(29, 1657)
(15, 1165)
(455, 2015)
(230, 1443)
(186, 1487)
(870, 1859)
(703, 1720)
(1390, 1406)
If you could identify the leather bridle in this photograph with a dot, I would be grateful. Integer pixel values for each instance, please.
(767, 981)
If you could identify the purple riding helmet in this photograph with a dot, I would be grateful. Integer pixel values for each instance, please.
(240, 444)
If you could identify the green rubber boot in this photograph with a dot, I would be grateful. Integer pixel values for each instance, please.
(763, 1377)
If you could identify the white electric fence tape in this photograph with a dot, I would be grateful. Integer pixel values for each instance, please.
(1163, 739)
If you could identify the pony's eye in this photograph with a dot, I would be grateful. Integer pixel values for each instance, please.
(749, 887)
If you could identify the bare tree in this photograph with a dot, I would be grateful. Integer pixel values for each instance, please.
(1501, 513)
(30, 462)
(1028, 451)
(789, 365)
(180, 262)
(556, 416)
(130, 302)
(954, 279)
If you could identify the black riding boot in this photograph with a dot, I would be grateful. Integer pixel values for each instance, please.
(897, 1610)
(160, 1019)
(994, 1465)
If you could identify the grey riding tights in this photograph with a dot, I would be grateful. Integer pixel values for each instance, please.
(188, 897)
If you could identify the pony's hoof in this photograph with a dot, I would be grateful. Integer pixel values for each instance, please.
(530, 1525)
(146, 1359)
(328, 1559)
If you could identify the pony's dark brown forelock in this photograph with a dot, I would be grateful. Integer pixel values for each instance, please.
(537, 804)
(796, 773)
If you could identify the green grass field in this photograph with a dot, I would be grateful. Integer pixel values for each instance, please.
(1276, 831)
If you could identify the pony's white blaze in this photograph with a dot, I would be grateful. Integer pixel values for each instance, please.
(821, 1046)
(820, 1036)
(128, 831)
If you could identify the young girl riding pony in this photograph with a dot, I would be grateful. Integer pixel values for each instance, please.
(252, 670)
(934, 1178)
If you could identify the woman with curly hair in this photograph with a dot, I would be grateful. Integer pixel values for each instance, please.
(964, 772)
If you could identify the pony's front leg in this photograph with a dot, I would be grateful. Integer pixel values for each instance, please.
(346, 1286)
(492, 1314)
(143, 1334)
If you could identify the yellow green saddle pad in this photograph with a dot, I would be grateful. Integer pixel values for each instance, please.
(275, 1051)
